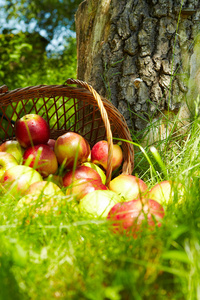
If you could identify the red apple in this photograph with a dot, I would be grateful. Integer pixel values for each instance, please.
(51, 143)
(99, 155)
(164, 191)
(32, 129)
(42, 158)
(14, 148)
(132, 217)
(17, 179)
(80, 172)
(81, 187)
(71, 148)
(7, 160)
(128, 186)
(96, 168)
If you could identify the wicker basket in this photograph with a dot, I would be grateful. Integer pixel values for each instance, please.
(68, 108)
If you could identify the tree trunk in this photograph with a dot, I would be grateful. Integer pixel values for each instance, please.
(141, 55)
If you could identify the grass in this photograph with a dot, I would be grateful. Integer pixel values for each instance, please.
(65, 255)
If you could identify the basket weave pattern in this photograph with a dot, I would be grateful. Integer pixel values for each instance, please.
(68, 108)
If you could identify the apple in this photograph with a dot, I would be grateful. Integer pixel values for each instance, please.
(44, 188)
(96, 168)
(99, 155)
(98, 203)
(14, 148)
(42, 158)
(32, 129)
(42, 197)
(31, 205)
(128, 186)
(7, 161)
(164, 191)
(131, 217)
(81, 187)
(51, 143)
(71, 148)
(17, 179)
(80, 172)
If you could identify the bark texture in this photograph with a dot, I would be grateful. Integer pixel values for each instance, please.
(140, 54)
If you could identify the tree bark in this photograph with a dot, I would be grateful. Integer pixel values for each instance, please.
(141, 54)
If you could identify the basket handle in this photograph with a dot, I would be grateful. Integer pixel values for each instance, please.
(3, 89)
(105, 119)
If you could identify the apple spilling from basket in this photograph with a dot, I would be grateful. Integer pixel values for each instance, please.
(67, 167)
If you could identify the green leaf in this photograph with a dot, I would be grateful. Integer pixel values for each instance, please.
(24, 45)
(176, 255)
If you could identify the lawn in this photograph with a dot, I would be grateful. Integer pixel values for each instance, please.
(67, 255)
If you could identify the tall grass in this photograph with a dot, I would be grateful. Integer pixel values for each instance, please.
(68, 256)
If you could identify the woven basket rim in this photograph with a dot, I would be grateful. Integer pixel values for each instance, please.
(89, 94)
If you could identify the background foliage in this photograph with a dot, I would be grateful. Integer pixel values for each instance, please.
(25, 59)
(49, 15)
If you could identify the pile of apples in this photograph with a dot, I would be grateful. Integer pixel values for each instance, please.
(34, 166)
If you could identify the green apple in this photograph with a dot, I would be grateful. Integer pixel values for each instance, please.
(42, 197)
(17, 179)
(7, 160)
(32, 205)
(98, 169)
(99, 202)
(165, 191)
(14, 148)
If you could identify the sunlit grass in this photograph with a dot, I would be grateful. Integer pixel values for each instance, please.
(63, 255)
